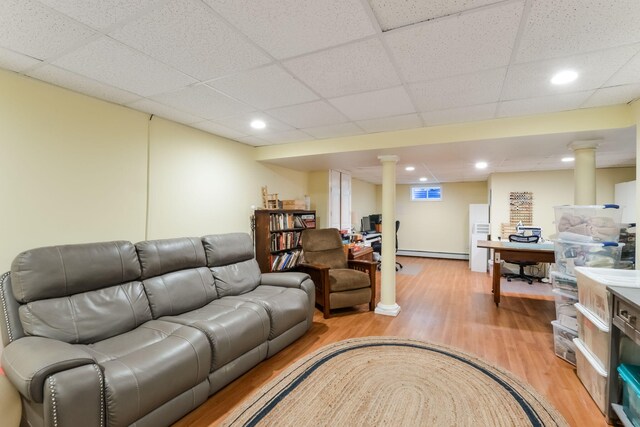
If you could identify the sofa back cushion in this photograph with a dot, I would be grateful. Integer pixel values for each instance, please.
(175, 275)
(87, 317)
(58, 271)
(231, 260)
(162, 256)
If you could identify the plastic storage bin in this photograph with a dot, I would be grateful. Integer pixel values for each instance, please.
(594, 333)
(563, 342)
(570, 255)
(630, 375)
(596, 223)
(592, 287)
(565, 310)
(592, 374)
(564, 282)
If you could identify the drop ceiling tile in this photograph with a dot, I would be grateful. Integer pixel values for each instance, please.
(265, 87)
(217, 129)
(252, 140)
(629, 73)
(104, 60)
(102, 14)
(286, 137)
(460, 91)
(460, 44)
(202, 101)
(33, 29)
(371, 105)
(558, 28)
(287, 28)
(161, 110)
(312, 114)
(546, 104)
(356, 67)
(14, 61)
(460, 115)
(242, 123)
(594, 69)
(334, 131)
(187, 35)
(388, 124)
(613, 95)
(82, 84)
(394, 14)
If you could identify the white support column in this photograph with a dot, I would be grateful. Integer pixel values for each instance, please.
(387, 304)
(584, 174)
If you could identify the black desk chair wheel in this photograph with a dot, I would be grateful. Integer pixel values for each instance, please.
(377, 247)
(522, 264)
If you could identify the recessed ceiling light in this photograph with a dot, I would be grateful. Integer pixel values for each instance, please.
(423, 179)
(568, 159)
(481, 165)
(410, 168)
(564, 77)
(258, 124)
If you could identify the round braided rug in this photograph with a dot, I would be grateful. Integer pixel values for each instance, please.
(389, 381)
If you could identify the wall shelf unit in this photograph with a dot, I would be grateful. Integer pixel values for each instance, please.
(277, 234)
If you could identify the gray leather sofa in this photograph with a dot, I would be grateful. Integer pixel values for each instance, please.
(118, 334)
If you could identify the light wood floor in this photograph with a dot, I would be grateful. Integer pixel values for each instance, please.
(444, 303)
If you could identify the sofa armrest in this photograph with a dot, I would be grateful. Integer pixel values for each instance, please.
(28, 362)
(285, 280)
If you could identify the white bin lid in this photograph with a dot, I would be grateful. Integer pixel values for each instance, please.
(611, 276)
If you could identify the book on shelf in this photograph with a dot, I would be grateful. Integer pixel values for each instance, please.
(285, 261)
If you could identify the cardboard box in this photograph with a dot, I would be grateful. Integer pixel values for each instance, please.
(293, 204)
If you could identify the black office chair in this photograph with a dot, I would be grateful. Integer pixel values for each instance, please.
(521, 239)
(377, 247)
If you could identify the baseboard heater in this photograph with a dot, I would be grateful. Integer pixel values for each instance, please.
(429, 254)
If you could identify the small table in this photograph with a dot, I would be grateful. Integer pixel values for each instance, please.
(515, 252)
(362, 254)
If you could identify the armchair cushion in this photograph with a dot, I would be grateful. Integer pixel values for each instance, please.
(324, 246)
(346, 279)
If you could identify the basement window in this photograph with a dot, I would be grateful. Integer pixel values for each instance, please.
(432, 193)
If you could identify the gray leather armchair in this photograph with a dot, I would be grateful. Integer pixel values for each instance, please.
(118, 334)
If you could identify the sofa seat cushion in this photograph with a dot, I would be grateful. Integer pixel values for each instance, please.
(233, 327)
(148, 366)
(346, 279)
(286, 306)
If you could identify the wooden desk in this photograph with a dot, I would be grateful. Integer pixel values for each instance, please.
(515, 252)
(363, 254)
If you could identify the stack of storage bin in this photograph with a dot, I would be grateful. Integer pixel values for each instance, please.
(594, 326)
(586, 236)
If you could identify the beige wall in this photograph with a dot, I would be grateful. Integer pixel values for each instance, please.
(201, 183)
(72, 169)
(319, 193)
(363, 201)
(549, 188)
(438, 226)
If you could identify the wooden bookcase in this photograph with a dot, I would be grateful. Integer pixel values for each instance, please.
(277, 235)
